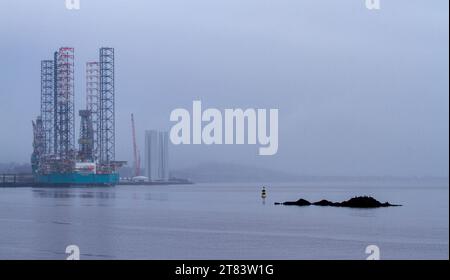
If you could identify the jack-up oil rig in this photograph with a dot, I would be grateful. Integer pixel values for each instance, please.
(55, 159)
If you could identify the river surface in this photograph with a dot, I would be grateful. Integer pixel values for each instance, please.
(225, 221)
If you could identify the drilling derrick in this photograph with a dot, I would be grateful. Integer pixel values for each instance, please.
(55, 159)
(86, 140)
(38, 144)
(47, 104)
(93, 102)
(65, 113)
(107, 122)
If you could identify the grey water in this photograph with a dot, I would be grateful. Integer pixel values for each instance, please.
(226, 221)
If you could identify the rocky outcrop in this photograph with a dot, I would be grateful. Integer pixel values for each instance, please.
(324, 202)
(300, 202)
(355, 202)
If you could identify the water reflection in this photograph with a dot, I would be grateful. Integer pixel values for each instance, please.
(72, 193)
(157, 196)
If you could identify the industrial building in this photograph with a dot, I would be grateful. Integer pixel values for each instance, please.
(157, 155)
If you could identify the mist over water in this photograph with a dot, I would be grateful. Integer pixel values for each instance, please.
(359, 92)
(361, 99)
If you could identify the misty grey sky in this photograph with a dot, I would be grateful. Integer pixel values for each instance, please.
(360, 92)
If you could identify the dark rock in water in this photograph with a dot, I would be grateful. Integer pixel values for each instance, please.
(324, 202)
(364, 202)
(355, 202)
(300, 202)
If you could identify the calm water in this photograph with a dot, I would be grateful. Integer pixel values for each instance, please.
(224, 221)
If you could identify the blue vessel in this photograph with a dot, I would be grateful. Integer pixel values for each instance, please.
(75, 173)
(78, 179)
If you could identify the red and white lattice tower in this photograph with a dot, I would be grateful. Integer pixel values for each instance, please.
(93, 101)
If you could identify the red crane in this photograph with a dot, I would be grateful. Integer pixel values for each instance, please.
(137, 158)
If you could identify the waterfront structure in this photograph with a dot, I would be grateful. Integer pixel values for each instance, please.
(55, 158)
(164, 156)
(157, 155)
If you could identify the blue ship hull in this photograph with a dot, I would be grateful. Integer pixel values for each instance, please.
(78, 179)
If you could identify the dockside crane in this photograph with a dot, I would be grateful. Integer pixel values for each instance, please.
(137, 158)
